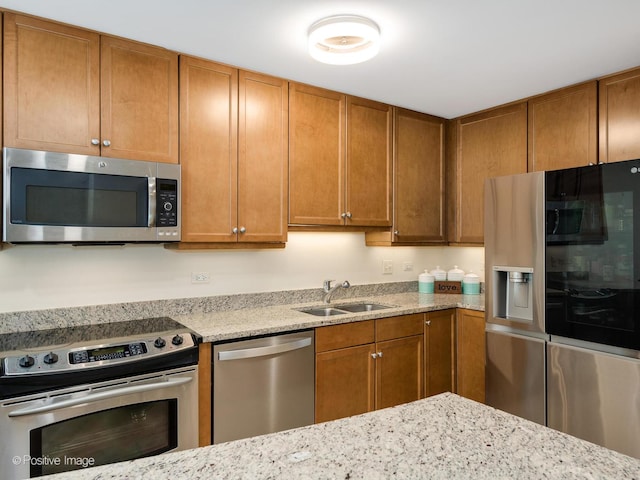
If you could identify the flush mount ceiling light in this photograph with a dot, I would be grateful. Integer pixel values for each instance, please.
(344, 39)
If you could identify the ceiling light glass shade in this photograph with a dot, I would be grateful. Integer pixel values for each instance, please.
(344, 39)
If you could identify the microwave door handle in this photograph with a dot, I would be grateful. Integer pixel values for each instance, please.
(151, 220)
(56, 404)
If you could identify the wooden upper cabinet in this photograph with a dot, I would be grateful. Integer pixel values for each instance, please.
(71, 90)
(263, 154)
(418, 181)
(139, 96)
(340, 159)
(489, 144)
(619, 116)
(51, 86)
(369, 162)
(563, 128)
(233, 150)
(316, 155)
(208, 150)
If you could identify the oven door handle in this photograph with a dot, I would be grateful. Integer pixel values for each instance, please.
(94, 397)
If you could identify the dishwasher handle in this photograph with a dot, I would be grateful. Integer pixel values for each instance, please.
(264, 351)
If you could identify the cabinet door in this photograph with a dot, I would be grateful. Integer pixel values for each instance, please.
(262, 158)
(344, 382)
(208, 150)
(563, 128)
(51, 86)
(317, 156)
(418, 190)
(439, 336)
(619, 117)
(471, 354)
(369, 141)
(489, 144)
(139, 90)
(399, 371)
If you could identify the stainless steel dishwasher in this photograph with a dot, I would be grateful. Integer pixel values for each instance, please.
(263, 385)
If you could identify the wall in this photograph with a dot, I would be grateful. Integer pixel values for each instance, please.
(34, 277)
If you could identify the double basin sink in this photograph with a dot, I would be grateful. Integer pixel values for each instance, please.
(342, 309)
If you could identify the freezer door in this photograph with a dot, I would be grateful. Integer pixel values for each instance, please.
(515, 375)
(514, 246)
(595, 396)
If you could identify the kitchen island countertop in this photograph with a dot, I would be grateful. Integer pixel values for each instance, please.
(441, 437)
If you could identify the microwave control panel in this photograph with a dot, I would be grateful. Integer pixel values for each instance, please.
(167, 206)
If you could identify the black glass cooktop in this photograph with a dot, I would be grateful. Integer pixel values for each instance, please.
(44, 339)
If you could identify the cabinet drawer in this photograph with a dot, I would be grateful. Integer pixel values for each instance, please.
(398, 327)
(346, 335)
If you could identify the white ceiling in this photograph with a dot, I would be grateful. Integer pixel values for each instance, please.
(444, 57)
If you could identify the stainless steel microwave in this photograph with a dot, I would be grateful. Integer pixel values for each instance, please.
(66, 198)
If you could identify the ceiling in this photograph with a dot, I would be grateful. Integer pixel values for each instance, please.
(443, 57)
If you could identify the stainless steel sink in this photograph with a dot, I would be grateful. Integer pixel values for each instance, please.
(323, 311)
(343, 308)
(361, 307)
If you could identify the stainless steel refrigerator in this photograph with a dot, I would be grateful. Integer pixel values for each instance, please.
(515, 295)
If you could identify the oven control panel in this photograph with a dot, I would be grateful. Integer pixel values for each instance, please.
(71, 358)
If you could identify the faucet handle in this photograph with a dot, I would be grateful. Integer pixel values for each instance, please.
(326, 285)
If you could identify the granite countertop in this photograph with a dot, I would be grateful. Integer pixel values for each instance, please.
(226, 317)
(246, 322)
(441, 437)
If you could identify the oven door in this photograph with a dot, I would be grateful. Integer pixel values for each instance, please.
(593, 280)
(99, 424)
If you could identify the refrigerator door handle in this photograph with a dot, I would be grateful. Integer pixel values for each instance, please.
(557, 223)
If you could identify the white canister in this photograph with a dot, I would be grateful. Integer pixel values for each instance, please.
(455, 274)
(439, 274)
(425, 282)
(471, 284)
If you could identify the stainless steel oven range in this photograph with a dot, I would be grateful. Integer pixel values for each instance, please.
(77, 397)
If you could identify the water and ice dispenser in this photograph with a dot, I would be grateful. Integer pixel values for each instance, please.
(513, 293)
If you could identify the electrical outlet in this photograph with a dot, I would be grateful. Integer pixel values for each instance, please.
(387, 267)
(200, 277)
(407, 267)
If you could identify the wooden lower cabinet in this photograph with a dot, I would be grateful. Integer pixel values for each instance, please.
(399, 371)
(471, 354)
(345, 381)
(439, 352)
(204, 395)
(363, 366)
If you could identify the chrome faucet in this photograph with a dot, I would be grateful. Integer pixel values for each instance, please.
(328, 289)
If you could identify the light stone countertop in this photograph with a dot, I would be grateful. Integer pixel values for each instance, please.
(225, 317)
(246, 322)
(441, 437)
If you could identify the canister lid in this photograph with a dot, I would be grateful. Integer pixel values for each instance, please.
(471, 278)
(426, 277)
(455, 274)
(438, 273)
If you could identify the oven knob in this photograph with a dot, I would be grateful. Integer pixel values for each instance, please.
(160, 342)
(26, 361)
(168, 206)
(50, 358)
(177, 340)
